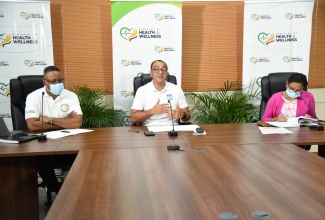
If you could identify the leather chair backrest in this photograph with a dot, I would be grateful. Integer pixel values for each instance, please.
(19, 89)
(273, 83)
(145, 78)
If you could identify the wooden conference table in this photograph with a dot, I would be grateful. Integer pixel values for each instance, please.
(125, 175)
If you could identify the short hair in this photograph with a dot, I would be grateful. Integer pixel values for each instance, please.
(51, 68)
(298, 78)
(158, 61)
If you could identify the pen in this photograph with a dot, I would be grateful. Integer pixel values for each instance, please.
(133, 131)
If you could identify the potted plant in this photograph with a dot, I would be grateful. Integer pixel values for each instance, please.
(95, 113)
(225, 105)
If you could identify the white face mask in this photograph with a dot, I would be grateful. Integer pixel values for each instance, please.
(56, 89)
(292, 94)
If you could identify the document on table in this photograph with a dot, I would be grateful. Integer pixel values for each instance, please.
(170, 128)
(274, 130)
(294, 122)
(65, 133)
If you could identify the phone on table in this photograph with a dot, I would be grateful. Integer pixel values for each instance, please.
(149, 133)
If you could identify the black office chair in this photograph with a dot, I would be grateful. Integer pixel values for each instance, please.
(146, 78)
(273, 83)
(270, 84)
(19, 89)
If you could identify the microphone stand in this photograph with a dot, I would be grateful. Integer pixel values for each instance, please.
(173, 132)
(314, 127)
(42, 136)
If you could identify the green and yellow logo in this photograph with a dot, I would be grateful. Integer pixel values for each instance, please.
(126, 93)
(287, 59)
(266, 38)
(126, 62)
(29, 63)
(159, 49)
(159, 17)
(4, 89)
(25, 15)
(5, 39)
(290, 16)
(256, 17)
(129, 33)
(254, 60)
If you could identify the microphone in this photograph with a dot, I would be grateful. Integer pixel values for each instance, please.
(314, 127)
(42, 136)
(173, 132)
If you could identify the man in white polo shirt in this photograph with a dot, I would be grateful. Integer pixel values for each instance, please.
(151, 105)
(61, 109)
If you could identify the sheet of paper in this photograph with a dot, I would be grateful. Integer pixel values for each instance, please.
(274, 130)
(170, 128)
(65, 133)
(281, 124)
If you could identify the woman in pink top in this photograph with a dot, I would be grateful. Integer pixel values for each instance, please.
(293, 102)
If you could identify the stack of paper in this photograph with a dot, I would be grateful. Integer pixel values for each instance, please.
(274, 130)
(294, 122)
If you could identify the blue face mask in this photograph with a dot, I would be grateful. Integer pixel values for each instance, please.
(56, 89)
(292, 94)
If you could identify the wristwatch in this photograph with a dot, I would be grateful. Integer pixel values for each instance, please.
(184, 116)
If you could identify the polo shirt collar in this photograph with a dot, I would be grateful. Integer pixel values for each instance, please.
(153, 88)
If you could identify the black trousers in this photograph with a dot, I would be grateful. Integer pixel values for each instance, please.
(46, 165)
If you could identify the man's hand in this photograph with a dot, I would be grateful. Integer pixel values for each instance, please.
(177, 113)
(45, 119)
(160, 108)
(72, 114)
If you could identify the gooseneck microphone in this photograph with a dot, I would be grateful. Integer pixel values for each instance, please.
(315, 127)
(173, 132)
(42, 136)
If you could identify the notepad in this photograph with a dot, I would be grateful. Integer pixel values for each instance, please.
(294, 122)
(274, 130)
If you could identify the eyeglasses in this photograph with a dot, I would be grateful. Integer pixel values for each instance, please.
(297, 92)
(157, 70)
(53, 82)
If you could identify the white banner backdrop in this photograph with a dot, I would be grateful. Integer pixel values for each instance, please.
(143, 32)
(277, 36)
(25, 44)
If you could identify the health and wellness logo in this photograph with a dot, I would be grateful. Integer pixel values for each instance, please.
(4, 89)
(4, 63)
(5, 39)
(131, 62)
(160, 49)
(126, 93)
(31, 63)
(132, 33)
(288, 59)
(291, 16)
(24, 39)
(160, 17)
(129, 33)
(27, 15)
(267, 38)
(257, 17)
(259, 60)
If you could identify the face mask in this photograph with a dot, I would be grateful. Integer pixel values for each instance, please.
(56, 89)
(292, 94)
